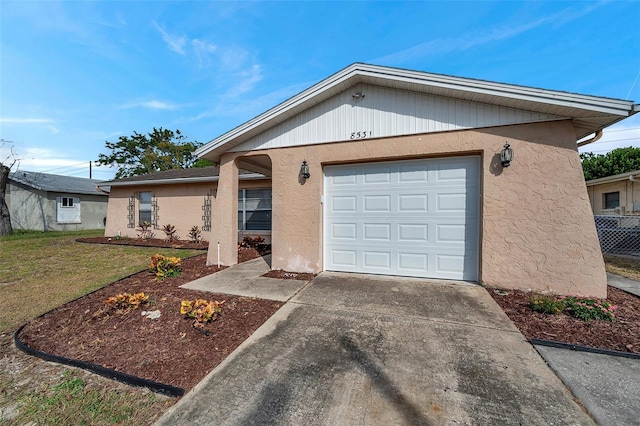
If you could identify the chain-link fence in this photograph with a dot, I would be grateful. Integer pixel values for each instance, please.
(619, 234)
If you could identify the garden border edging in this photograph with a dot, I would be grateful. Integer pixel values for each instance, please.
(98, 369)
(581, 348)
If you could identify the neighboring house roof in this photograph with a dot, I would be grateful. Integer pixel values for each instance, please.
(589, 113)
(633, 176)
(170, 177)
(56, 183)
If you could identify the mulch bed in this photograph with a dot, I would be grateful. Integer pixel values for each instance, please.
(167, 350)
(153, 242)
(170, 350)
(622, 335)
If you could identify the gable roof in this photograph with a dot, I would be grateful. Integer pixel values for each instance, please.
(169, 177)
(634, 176)
(56, 183)
(589, 113)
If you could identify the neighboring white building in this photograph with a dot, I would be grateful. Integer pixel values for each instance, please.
(46, 202)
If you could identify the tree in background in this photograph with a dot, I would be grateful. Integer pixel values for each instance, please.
(620, 160)
(156, 151)
(5, 168)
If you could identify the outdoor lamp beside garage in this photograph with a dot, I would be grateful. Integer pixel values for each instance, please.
(506, 155)
(304, 170)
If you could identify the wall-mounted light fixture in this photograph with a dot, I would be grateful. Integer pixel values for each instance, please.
(304, 170)
(358, 95)
(506, 155)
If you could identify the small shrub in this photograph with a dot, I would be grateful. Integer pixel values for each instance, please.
(546, 304)
(145, 232)
(195, 235)
(200, 310)
(124, 302)
(164, 266)
(253, 242)
(590, 309)
(170, 232)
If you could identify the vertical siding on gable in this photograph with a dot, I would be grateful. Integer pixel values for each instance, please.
(384, 112)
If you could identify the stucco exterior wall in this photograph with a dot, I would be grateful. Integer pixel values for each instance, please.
(36, 210)
(29, 208)
(537, 225)
(629, 196)
(178, 204)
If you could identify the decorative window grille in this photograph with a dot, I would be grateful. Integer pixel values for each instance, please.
(131, 212)
(154, 212)
(206, 212)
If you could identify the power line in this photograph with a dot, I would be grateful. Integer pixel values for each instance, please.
(618, 140)
(71, 166)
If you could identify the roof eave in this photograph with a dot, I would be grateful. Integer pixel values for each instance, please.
(176, 181)
(613, 109)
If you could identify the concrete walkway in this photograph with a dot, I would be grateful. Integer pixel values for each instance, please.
(630, 286)
(354, 349)
(244, 279)
(607, 385)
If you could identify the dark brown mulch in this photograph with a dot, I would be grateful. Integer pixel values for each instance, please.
(167, 350)
(285, 275)
(621, 335)
(153, 242)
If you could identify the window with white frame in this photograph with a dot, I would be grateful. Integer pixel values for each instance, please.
(254, 210)
(68, 210)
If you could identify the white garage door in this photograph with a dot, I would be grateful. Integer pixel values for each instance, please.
(417, 218)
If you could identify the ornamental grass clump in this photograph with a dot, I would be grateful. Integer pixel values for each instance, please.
(124, 302)
(165, 266)
(590, 309)
(201, 310)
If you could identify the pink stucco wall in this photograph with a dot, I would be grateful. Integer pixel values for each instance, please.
(537, 229)
(178, 204)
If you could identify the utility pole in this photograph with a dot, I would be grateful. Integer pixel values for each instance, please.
(90, 169)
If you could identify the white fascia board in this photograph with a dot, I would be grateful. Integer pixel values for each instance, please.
(279, 109)
(252, 176)
(568, 99)
(614, 178)
(355, 72)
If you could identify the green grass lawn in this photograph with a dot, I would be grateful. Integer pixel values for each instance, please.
(626, 267)
(40, 271)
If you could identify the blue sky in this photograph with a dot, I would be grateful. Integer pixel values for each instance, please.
(76, 74)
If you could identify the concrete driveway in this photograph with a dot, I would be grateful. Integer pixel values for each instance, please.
(361, 350)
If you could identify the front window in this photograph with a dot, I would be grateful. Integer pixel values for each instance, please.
(254, 210)
(67, 201)
(611, 200)
(144, 207)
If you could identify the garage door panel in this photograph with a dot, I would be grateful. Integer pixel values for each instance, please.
(376, 232)
(344, 231)
(413, 218)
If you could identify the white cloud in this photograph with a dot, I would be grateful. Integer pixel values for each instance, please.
(151, 104)
(247, 79)
(45, 160)
(28, 120)
(177, 44)
(506, 31)
(46, 122)
(203, 50)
